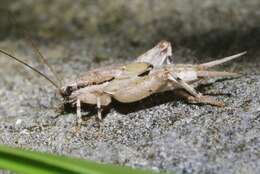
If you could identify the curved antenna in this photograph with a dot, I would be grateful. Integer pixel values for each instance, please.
(34, 47)
(32, 68)
(44, 60)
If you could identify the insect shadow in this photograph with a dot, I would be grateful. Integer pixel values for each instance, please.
(162, 98)
(126, 108)
(146, 103)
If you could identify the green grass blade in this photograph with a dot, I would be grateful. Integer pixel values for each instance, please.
(29, 162)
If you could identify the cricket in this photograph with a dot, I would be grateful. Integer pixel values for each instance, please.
(150, 73)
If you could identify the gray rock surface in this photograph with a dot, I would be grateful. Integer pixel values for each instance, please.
(161, 132)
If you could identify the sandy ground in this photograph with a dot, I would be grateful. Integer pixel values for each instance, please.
(161, 132)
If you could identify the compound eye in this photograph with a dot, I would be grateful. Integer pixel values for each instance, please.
(68, 90)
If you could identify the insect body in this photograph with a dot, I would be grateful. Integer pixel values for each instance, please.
(150, 73)
(158, 79)
(102, 75)
(91, 87)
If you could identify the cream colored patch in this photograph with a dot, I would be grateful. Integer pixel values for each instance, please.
(188, 75)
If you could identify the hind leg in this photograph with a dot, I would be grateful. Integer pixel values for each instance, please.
(184, 85)
(192, 95)
(203, 99)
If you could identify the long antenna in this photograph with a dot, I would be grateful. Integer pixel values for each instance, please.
(32, 68)
(44, 60)
(34, 47)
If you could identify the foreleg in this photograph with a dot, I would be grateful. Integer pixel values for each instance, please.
(79, 115)
(99, 111)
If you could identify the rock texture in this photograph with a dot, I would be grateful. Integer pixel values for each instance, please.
(161, 132)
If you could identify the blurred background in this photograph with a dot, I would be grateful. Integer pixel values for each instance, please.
(210, 27)
(162, 133)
